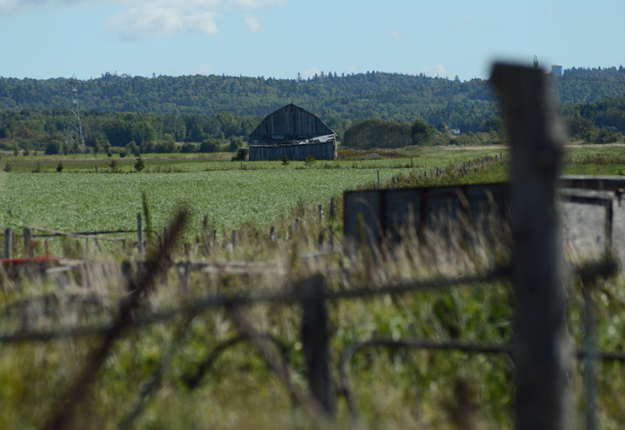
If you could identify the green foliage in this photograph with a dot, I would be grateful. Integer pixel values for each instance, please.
(106, 147)
(139, 165)
(377, 133)
(188, 148)
(114, 165)
(6, 168)
(285, 160)
(580, 128)
(493, 123)
(132, 148)
(310, 160)
(59, 167)
(241, 155)
(235, 144)
(210, 145)
(122, 153)
(96, 147)
(421, 132)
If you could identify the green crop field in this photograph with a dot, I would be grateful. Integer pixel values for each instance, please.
(78, 199)
(83, 202)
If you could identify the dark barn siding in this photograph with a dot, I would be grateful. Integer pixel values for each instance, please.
(321, 151)
(293, 123)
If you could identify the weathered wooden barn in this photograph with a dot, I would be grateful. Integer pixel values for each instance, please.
(294, 132)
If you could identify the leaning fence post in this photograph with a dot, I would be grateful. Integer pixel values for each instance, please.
(542, 355)
(8, 243)
(316, 342)
(139, 235)
(28, 243)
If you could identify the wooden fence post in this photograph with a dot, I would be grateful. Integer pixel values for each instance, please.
(28, 243)
(332, 209)
(542, 355)
(591, 353)
(316, 342)
(140, 235)
(272, 234)
(609, 215)
(378, 178)
(8, 243)
(234, 238)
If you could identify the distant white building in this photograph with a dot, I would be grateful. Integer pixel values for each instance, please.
(557, 70)
(455, 131)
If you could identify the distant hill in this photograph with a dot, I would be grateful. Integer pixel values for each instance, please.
(338, 100)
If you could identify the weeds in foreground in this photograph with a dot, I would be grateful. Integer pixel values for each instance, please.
(394, 388)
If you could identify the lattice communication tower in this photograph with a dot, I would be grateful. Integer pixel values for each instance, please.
(72, 128)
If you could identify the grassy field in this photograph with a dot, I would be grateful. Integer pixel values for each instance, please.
(395, 388)
(230, 193)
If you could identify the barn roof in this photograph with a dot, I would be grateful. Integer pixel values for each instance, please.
(288, 124)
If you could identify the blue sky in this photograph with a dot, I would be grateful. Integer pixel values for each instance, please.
(281, 38)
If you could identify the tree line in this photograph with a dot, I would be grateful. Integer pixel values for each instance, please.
(368, 109)
(339, 100)
(35, 129)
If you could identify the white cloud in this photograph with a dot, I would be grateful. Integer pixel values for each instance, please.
(438, 70)
(141, 22)
(351, 69)
(309, 73)
(253, 26)
(550, 13)
(396, 35)
(138, 19)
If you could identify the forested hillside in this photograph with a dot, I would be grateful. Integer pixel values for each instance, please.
(122, 109)
(339, 100)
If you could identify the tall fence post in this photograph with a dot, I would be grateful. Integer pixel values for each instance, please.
(609, 216)
(139, 235)
(316, 342)
(591, 354)
(28, 243)
(542, 354)
(8, 243)
(332, 209)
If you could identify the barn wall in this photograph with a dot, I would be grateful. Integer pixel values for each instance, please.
(321, 151)
(291, 121)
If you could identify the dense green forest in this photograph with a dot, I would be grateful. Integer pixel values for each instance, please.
(35, 129)
(118, 109)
